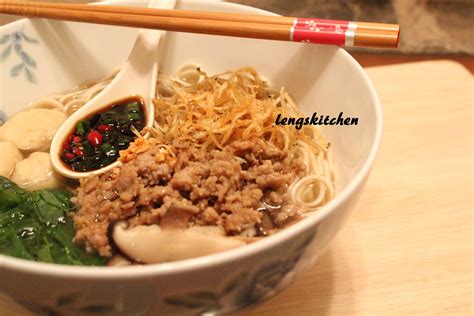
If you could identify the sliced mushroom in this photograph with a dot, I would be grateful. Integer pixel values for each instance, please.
(151, 244)
(178, 216)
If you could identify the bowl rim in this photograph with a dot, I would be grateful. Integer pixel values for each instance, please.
(182, 266)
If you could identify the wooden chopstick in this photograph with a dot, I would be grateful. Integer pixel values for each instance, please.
(202, 15)
(228, 24)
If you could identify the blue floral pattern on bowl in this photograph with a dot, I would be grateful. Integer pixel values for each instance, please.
(70, 304)
(247, 288)
(26, 64)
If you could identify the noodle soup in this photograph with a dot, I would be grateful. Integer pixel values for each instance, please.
(214, 173)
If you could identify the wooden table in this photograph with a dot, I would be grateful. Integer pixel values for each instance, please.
(407, 248)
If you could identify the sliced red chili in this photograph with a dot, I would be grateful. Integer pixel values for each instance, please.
(69, 138)
(94, 138)
(69, 155)
(78, 151)
(76, 139)
(104, 128)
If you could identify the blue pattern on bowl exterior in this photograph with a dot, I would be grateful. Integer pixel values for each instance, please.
(320, 78)
(249, 286)
(26, 64)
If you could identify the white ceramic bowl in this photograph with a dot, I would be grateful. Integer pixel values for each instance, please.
(321, 78)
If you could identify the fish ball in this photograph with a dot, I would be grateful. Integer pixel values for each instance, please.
(9, 156)
(32, 130)
(36, 173)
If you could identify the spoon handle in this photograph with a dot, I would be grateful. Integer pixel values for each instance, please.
(137, 77)
(144, 54)
(149, 37)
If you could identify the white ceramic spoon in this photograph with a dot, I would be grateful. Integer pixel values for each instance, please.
(137, 77)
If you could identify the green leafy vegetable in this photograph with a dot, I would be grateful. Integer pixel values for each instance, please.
(10, 195)
(36, 226)
(51, 206)
(12, 245)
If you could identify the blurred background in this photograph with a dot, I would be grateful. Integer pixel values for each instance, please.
(430, 29)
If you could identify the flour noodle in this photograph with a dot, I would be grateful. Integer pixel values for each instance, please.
(71, 101)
